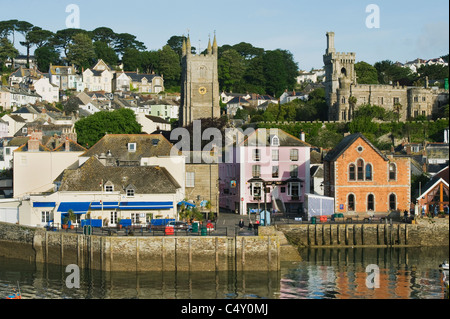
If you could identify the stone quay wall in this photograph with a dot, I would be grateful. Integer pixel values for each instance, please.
(133, 253)
(425, 233)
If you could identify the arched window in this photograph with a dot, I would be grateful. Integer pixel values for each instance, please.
(392, 172)
(370, 202)
(392, 202)
(351, 202)
(360, 168)
(368, 172)
(344, 71)
(351, 172)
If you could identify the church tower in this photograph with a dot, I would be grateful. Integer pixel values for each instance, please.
(199, 84)
(339, 76)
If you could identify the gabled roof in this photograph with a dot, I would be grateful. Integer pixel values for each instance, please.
(145, 179)
(345, 143)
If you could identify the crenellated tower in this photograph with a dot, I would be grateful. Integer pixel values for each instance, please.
(199, 84)
(339, 76)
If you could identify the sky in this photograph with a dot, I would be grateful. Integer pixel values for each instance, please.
(407, 29)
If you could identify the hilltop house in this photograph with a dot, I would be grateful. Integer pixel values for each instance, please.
(99, 77)
(135, 81)
(65, 77)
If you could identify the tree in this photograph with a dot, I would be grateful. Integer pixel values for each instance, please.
(169, 66)
(280, 71)
(125, 41)
(45, 56)
(105, 35)
(105, 52)
(366, 73)
(7, 28)
(64, 38)
(131, 59)
(92, 128)
(81, 52)
(231, 70)
(7, 51)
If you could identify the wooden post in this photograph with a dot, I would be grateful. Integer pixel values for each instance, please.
(441, 197)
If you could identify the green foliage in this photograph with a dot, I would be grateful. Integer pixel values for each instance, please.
(169, 66)
(7, 50)
(366, 73)
(92, 128)
(105, 52)
(45, 56)
(81, 52)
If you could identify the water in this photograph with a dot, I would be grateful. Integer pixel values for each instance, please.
(404, 273)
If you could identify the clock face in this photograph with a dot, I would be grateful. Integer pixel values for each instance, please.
(202, 90)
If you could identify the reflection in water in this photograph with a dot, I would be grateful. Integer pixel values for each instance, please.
(407, 273)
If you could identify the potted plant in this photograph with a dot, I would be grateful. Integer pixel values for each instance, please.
(441, 214)
(71, 218)
(65, 222)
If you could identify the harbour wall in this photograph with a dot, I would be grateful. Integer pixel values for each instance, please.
(425, 233)
(158, 253)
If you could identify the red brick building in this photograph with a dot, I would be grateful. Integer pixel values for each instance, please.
(363, 180)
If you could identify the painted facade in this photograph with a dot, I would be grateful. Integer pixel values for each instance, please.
(272, 156)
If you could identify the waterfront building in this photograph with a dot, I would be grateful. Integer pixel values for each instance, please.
(435, 194)
(363, 180)
(267, 157)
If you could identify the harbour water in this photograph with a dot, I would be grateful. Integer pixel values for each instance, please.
(403, 273)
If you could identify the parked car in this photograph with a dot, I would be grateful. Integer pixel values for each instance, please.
(180, 225)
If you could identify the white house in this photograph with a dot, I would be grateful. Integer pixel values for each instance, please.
(48, 91)
(289, 96)
(99, 78)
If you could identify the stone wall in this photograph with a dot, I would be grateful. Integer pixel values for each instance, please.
(336, 235)
(159, 253)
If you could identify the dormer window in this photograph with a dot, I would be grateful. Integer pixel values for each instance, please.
(109, 187)
(275, 141)
(131, 147)
(130, 192)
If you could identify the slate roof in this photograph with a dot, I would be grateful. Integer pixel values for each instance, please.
(117, 144)
(285, 139)
(145, 179)
(136, 77)
(345, 143)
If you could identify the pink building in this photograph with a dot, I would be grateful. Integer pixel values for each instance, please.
(272, 157)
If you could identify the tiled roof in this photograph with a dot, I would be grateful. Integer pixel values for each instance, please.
(145, 179)
(345, 143)
(117, 144)
(285, 139)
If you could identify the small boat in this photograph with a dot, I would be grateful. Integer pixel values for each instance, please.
(16, 294)
(444, 265)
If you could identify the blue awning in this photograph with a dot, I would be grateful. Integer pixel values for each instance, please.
(77, 207)
(186, 204)
(145, 205)
(44, 204)
(104, 205)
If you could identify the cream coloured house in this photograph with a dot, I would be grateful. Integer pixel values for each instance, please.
(99, 78)
(48, 91)
(37, 166)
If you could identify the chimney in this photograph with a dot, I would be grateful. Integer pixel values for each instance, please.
(67, 145)
(302, 135)
(34, 141)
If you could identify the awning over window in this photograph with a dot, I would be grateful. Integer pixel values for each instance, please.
(76, 207)
(104, 205)
(188, 204)
(44, 204)
(145, 205)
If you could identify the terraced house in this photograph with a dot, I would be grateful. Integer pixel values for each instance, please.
(363, 180)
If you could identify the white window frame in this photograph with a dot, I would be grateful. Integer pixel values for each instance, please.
(290, 189)
(190, 179)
